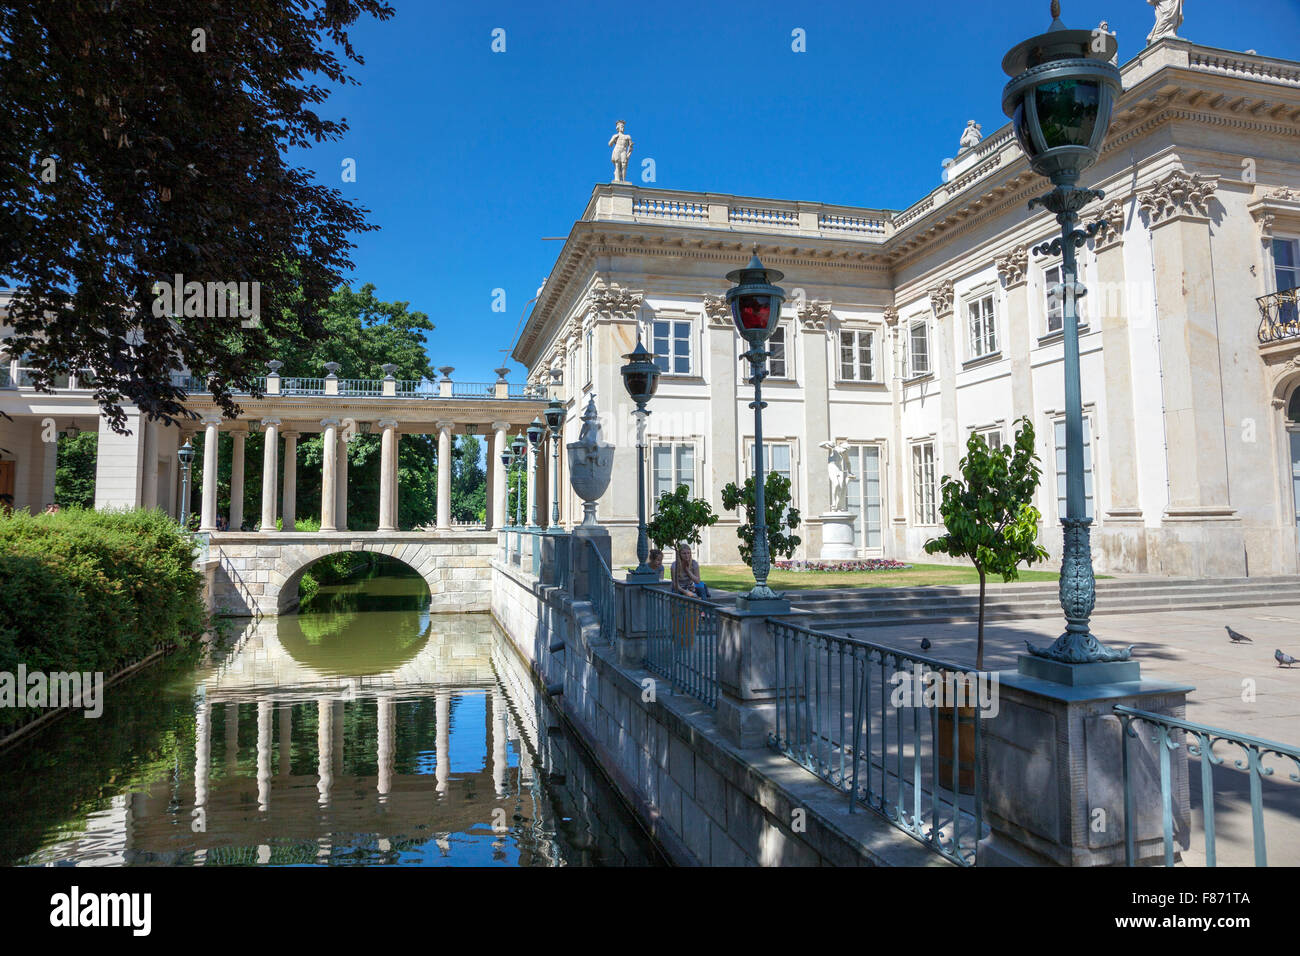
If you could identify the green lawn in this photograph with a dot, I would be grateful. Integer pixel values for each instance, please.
(737, 577)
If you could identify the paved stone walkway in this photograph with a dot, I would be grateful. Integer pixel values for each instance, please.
(1190, 647)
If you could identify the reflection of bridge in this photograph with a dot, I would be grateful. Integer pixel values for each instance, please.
(252, 573)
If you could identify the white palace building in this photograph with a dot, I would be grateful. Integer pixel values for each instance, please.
(905, 331)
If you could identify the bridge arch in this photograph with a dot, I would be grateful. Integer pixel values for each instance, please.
(285, 597)
(255, 573)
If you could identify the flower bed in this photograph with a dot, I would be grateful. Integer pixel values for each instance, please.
(870, 564)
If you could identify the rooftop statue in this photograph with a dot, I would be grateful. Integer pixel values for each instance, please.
(622, 144)
(973, 133)
(1169, 17)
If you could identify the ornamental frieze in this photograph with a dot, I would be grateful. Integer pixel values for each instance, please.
(613, 302)
(1178, 194)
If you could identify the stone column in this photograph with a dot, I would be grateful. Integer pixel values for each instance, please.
(896, 453)
(238, 439)
(264, 755)
(489, 516)
(149, 483)
(202, 762)
(500, 440)
(387, 460)
(286, 739)
(341, 484)
(814, 320)
(500, 757)
(1121, 538)
(324, 749)
(289, 514)
(386, 709)
(329, 480)
(442, 740)
(721, 456)
(211, 441)
(444, 475)
(534, 462)
(1201, 531)
(943, 363)
(271, 431)
(1015, 329)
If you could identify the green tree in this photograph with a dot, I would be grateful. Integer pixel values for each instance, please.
(679, 518)
(74, 475)
(781, 518)
(150, 139)
(989, 512)
(468, 481)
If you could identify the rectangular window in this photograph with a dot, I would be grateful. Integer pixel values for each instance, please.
(777, 358)
(671, 464)
(857, 355)
(864, 495)
(589, 348)
(992, 436)
(672, 346)
(1087, 466)
(924, 491)
(1055, 304)
(982, 328)
(918, 349)
(1286, 264)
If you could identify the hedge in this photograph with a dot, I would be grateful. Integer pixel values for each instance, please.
(84, 590)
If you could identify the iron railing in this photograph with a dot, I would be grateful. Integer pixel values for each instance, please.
(682, 642)
(601, 591)
(917, 765)
(472, 390)
(302, 386)
(362, 387)
(563, 548)
(1279, 316)
(1172, 735)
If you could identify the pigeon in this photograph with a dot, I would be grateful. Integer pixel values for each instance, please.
(925, 643)
(1283, 660)
(1237, 638)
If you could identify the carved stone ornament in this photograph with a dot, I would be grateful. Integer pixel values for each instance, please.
(1178, 194)
(1114, 231)
(814, 316)
(890, 315)
(1013, 267)
(717, 311)
(941, 298)
(613, 302)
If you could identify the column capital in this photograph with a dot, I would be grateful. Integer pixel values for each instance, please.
(444, 426)
(329, 423)
(289, 433)
(211, 419)
(501, 426)
(239, 434)
(270, 423)
(387, 423)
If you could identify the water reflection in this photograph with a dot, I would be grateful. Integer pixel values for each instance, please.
(372, 732)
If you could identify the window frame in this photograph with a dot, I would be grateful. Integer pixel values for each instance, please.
(1090, 464)
(923, 509)
(1294, 268)
(670, 360)
(787, 358)
(872, 351)
(856, 458)
(674, 445)
(988, 320)
(912, 371)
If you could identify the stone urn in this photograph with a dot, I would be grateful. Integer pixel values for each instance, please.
(591, 464)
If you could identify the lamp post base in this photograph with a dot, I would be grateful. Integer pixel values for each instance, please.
(763, 600)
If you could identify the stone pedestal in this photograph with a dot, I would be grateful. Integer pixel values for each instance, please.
(837, 537)
(746, 677)
(1052, 767)
(582, 559)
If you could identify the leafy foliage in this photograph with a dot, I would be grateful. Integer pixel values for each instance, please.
(137, 149)
(989, 512)
(74, 475)
(679, 518)
(781, 518)
(93, 590)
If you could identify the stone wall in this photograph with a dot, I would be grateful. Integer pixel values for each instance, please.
(259, 573)
(706, 801)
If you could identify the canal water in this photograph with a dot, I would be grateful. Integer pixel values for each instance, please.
(362, 730)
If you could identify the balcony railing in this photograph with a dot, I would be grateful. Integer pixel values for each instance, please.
(1279, 316)
(350, 387)
(682, 643)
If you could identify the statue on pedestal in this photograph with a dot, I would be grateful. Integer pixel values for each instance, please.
(839, 472)
(971, 136)
(1169, 17)
(622, 144)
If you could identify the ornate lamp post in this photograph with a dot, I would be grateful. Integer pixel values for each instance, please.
(554, 422)
(517, 447)
(185, 454)
(641, 379)
(755, 302)
(507, 459)
(535, 432)
(1060, 99)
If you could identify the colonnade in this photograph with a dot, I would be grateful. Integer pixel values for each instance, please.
(280, 480)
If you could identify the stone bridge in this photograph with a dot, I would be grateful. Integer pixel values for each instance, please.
(257, 573)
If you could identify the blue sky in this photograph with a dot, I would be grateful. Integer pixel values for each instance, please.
(466, 158)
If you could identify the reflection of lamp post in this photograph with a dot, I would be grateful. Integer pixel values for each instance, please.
(1060, 98)
(185, 454)
(641, 378)
(517, 446)
(755, 310)
(535, 432)
(555, 421)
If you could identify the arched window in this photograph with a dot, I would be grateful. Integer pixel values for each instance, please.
(1293, 407)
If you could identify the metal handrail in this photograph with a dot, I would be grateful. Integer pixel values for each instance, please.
(836, 717)
(1279, 315)
(302, 386)
(602, 594)
(368, 387)
(682, 642)
(1254, 750)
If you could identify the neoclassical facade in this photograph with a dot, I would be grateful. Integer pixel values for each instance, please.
(905, 331)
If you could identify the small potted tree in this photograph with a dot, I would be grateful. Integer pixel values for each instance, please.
(990, 520)
(679, 519)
